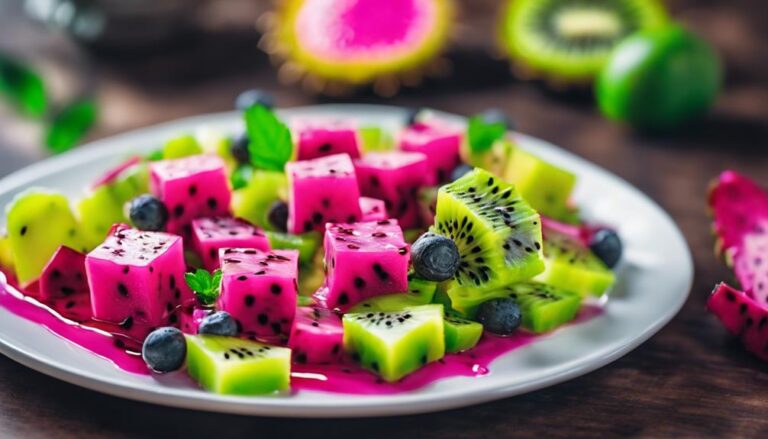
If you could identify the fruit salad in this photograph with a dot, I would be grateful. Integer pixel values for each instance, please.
(254, 261)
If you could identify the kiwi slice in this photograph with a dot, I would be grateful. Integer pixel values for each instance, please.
(420, 292)
(307, 244)
(375, 138)
(545, 186)
(497, 233)
(235, 366)
(567, 42)
(573, 267)
(544, 307)
(461, 334)
(184, 145)
(394, 344)
(252, 202)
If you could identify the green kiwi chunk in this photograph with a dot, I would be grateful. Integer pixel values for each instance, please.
(307, 244)
(461, 334)
(420, 292)
(234, 366)
(394, 344)
(544, 307)
(184, 145)
(545, 186)
(573, 267)
(252, 203)
(497, 233)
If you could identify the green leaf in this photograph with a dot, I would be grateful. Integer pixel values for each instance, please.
(69, 126)
(23, 87)
(241, 176)
(204, 284)
(482, 135)
(270, 144)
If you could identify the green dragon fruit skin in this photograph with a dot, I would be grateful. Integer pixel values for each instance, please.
(64, 275)
(740, 215)
(191, 187)
(440, 143)
(315, 139)
(259, 289)
(213, 233)
(322, 190)
(394, 177)
(363, 260)
(742, 316)
(136, 280)
(373, 209)
(316, 336)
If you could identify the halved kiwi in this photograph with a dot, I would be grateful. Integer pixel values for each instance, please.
(566, 41)
(573, 267)
(461, 334)
(497, 233)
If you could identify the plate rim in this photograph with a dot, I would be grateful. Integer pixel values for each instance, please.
(276, 406)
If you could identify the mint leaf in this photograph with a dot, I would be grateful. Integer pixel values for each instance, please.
(482, 135)
(270, 144)
(241, 176)
(204, 284)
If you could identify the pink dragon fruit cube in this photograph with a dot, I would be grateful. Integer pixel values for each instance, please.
(213, 233)
(363, 260)
(373, 209)
(64, 275)
(191, 317)
(259, 290)
(191, 187)
(136, 279)
(316, 336)
(323, 138)
(394, 177)
(441, 144)
(322, 190)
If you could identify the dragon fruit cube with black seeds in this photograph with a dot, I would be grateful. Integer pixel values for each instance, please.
(440, 143)
(363, 260)
(394, 177)
(64, 275)
(191, 187)
(259, 290)
(316, 336)
(136, 279)
(316, 139)
(373, 209)
(213, 233)
(321, 191)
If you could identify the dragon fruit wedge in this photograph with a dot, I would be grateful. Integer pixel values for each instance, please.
(316, 336)
(740, 215)
(321, 191)
(136, 280)
(213, 233)
(191, 187)
(64, 275)
(363, 260)
(440, 143)
(373, 209)
(259, 289)
(742, 316)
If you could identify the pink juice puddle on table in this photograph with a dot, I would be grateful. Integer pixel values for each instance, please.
(67, 318)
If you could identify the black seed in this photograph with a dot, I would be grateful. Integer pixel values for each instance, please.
(262, 319)
(192, 190)
(242, 278)
(307, 226)
(23, 230)
(212, 203)
(127, 323)
(178, 211)
(325, 147)
(249, 299)
(343, 299)
(375, 366)
(275, 289)
(424, 359)
(122, 289)
(276, 327)
(67, 291)
(359, 283)
(301, 357)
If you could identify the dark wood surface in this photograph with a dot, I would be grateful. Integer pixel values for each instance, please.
(690, 380)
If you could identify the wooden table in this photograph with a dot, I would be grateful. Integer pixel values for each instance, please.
(690, 380)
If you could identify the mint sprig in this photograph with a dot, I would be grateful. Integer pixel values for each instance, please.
(270, 144)
(204, 284)
(481, 135)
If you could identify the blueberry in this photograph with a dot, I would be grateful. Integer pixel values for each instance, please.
(459, 171)
(147, 212)
(164, 349)
(435, 257)
(218, 323)
(606, 245)
(496, 115)
(278, 216)
(239, 148)
(252, 97)
(499, 316)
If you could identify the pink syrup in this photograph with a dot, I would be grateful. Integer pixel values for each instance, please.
(67, 318)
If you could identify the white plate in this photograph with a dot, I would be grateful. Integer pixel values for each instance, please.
(653, 284)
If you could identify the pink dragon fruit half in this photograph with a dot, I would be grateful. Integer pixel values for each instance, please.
(213, 233)
(316, 336)
(136, 279)
(740, 215)
(743, 317)
(394, 177)
(322, 190)
(191, 187)
(363, 260)
(259, 289)
(440, 143)
(323, 138)
(64, 275)
(373, 209)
